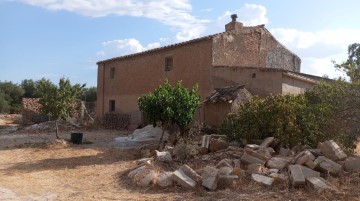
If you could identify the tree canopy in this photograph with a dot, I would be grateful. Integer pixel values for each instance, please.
(168, 105)
(352, 65)
(58, 101)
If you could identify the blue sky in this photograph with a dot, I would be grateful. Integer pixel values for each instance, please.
(65, 38)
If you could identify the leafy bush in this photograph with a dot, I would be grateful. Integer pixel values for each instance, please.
(185, 150)
(280, 116)
(328, 111)
(168, 105)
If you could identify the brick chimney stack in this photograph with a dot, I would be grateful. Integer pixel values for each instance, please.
(234, 25)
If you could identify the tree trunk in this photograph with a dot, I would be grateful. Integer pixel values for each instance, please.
(161, 138)
(57, 129)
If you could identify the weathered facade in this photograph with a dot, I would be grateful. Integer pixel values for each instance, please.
(240, 55)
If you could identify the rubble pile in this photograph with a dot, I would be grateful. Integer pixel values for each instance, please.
(49, 126)
(31, 108)
(266, 164)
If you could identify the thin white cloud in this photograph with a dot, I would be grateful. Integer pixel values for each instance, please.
(123, 47)
(173, 13)
(318, 48)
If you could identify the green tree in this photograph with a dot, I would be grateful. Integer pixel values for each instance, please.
(168, 105)
(58, 101)
(13, 94)
(29, 87)
(4, 104)
(89, 95)
(352, 65)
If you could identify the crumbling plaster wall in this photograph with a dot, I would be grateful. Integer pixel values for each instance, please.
(252, 47)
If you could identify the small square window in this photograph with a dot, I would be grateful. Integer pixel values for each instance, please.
(112, 73)
(112, 106)
(169, 64)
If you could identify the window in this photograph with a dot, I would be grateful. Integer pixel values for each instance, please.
(112, 73)
(112, 106)
(169, 64)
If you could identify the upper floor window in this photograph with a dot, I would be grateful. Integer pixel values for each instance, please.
(169, 63)
(112, 73)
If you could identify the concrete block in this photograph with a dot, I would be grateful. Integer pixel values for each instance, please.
(227, 180)
(352, 164)
(332, 150)
(164, 179)
(190, 173)
(225, 170)
(284, 152)
(261, 154)
(224, 163)
(296, 175)
(318, 183)
(278, 176)
(143, 176)
(236, 162)
(310, 164)
(205, 141)
(252, 146)
(210, 177)
(327, 165)
(255, 168)
(304, 156)
(163, 156)
(267, 141)
(182, 179)
(217, 145)
(307, 172)
(277, 163)
(262, 179)
(248, 159)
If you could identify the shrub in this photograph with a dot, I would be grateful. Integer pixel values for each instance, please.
(185, 150)
(328, 111)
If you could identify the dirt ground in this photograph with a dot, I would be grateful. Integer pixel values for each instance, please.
(30, 169)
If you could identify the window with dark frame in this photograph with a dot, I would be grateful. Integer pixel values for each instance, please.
(169, 63)
(112, 106)
(112, 73)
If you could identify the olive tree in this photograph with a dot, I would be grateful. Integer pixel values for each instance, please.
(168, 105)
(58, 101)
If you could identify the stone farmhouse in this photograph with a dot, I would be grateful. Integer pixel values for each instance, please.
(248, 56)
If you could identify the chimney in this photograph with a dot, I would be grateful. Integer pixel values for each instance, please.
(234, 25)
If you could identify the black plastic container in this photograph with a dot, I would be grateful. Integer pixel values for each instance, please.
(76, 138)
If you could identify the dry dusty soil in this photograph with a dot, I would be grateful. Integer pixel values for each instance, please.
(33, 169)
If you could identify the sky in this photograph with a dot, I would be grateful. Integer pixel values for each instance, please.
(65, 38)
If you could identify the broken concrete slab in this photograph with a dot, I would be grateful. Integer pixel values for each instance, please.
(224, 163)
(307, 172)
(278, 176)
(332, 150)
(144, 161)
(327, 165)
(262, 179)
(310, 164)
(210, 177)
(252, 146)
(163, 156)
(236, 162)
(277, 163)
(164, 179)
(249, 159)
(255, 168)
(296, 175)
(304, 156)
(205, 141)
(225, 170)
(218, 144)
(182, 179)
(143, 176)
(267, 141)
(190, 173)
(352, 164)
(262, 154)
(227, 180)
(318, 183)
(284, 152)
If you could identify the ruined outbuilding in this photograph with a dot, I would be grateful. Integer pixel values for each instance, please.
(241, 55)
